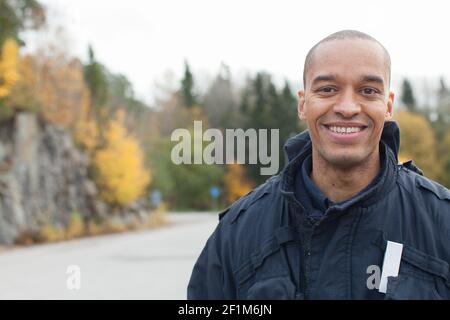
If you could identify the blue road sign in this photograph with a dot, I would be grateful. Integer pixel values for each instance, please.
(156, 198)
(214, 192)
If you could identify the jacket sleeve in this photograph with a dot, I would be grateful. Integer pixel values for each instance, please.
(209, 278)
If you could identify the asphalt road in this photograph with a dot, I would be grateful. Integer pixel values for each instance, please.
(151, 264)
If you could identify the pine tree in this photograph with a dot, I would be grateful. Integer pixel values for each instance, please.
(407, 96)
(188, 97)
(290, 124)
(443, 93)
(95, 77)
(259, 109)
(443, 107)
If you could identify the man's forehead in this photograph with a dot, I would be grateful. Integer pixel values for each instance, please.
(361, 55)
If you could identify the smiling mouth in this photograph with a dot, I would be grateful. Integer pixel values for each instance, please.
(343, 129)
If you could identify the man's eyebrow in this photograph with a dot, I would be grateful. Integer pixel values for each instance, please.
(320, 78)
(372, 78)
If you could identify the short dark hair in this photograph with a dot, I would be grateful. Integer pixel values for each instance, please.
(342, 35)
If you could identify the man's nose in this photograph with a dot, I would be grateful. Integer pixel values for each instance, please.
(347, 106)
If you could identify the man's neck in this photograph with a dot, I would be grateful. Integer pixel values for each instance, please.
(340, 184)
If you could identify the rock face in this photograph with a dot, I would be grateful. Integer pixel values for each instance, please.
(43, 178)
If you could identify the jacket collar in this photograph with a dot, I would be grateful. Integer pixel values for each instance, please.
(299, 147)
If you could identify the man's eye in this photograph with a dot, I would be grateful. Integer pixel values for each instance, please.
(327, 89)
(369, 91)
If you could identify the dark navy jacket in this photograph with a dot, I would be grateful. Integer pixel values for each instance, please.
(267, 247)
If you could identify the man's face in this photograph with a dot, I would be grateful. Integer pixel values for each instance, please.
(346, 101)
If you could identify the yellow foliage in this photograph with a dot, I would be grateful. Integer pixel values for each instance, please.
(86, 132)
(54, 86)
(445, 157)
(94, 229)
(9, 74)
(236, 185)
(75, 228)
(24, 94)
(418, 143)
(49, 233)
(114, 227)
(119, 165)
(62, 93)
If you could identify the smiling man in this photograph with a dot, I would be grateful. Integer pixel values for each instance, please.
(345, 104)
(343, 220)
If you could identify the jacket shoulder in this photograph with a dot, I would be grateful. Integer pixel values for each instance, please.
(430, 193)
(255, 196)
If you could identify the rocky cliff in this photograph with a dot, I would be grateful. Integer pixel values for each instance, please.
(43, 178)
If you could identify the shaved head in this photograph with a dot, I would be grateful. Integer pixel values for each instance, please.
(344, 35)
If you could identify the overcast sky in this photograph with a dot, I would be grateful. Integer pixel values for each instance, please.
(144, 39)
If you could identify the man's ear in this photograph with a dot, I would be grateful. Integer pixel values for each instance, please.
(389, 106)
(301, 105)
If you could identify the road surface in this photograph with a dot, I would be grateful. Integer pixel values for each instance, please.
(151, 264)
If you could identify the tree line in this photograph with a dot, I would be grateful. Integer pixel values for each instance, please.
(129, 141)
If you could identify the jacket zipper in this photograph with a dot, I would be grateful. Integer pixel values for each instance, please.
(306, 263)
(307, 258)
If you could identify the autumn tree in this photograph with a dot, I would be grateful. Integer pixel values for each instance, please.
(9, 73)
(418, 143)
(61, 90)
(446, 159)
(24, 95)
(236, 183)
(56, 90)
(86, 132)
(9, 76)
(119, 165)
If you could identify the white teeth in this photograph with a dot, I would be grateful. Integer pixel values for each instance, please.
(345, 129)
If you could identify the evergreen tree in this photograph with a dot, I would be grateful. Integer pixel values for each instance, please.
(94, 74)
(261, 105)
(95, 77)
(274, 106)
(188, 97)
(19, 15)
(290, 124)
(443, 93)
(407, 96)
(259, 109)
(443, 107)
